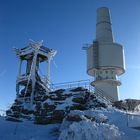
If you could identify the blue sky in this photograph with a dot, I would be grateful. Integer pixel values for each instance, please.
(66, 25)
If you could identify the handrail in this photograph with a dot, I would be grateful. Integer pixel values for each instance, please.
(85, 84)
(130, 120)
(72, 82)
(104, 93)
(82, 83)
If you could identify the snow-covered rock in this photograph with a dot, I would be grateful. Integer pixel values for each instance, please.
(88, 130)
(127, 104)
(80, 114)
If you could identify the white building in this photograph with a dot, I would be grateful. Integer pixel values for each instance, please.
(105, 58)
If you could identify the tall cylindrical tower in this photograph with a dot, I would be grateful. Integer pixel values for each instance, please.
(105, 58)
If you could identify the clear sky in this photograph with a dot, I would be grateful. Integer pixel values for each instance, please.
(66, 25)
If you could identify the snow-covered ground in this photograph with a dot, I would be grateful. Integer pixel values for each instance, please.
(120, 119)
(98, 120)
(115, 128)
(26, 131)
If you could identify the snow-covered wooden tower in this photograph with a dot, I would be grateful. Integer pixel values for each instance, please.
(30, 83)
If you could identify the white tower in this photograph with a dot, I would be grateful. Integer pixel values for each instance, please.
(105, 58)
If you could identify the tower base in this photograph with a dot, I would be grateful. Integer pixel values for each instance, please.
(106, 89)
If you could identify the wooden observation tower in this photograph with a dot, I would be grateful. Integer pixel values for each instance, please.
(30, 83)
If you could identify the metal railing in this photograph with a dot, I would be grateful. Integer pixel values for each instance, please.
(103, 95)
(73, 84)
(133, 120)
(22, 77)
(85, 84)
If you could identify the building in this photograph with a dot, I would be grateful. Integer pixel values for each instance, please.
(30, 83)
(105, 58)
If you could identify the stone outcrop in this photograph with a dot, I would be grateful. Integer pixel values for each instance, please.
(128, 104)
(59, 104)
(55, 106)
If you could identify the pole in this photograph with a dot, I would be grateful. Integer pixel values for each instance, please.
(33, 76)
(19, 73)
(48, 73)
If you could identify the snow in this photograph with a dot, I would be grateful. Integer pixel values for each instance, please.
(134, 120)
(26, 131)
(87, 130)
(27, 106)
(119, 119)
(115, 127)
(66, 103)
(2, 113)
(137, 108)
(96, 123)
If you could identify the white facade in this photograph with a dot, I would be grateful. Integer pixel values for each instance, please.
(105, 58)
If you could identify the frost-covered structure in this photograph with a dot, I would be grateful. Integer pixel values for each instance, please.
(55, 106)
(30, 83)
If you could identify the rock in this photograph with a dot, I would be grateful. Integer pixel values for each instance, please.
(74, 118)
(43, 120)
(16, 108)
(48, 107)
(78, 89)
(17, 102)
(15, 114)
(59, 91)
(92, 96)
(77, 107)
(38, 106)
(27, 112)
(59, 98)
(128, 104)
(13, 119)
(92, 118)
(38, 98)
(43, 112)
(58, 115)
(8, 112)
(95, 103)
(36, 113)
(45, 97)
(79, 100)
(132, 103)
(120, 105)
